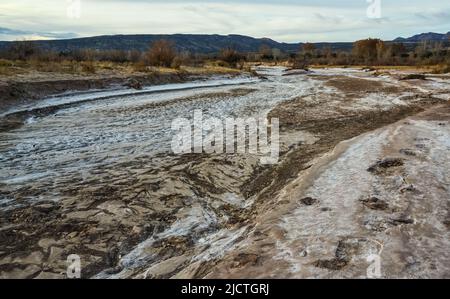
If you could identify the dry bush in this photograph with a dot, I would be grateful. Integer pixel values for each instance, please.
(368, 50)
(134, 56)
(6, 63)
(88, 67)
(443, 68)
(140, 67)
(45, 66)
(265, 52)
(20, 50)
(231, 57)
(176, 63)
(161, 53)
(300, 64)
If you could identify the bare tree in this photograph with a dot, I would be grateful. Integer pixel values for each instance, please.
(161, 53)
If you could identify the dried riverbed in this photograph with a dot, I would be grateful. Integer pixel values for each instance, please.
(95, 176)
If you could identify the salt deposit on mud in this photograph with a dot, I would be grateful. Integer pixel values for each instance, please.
(97, 178)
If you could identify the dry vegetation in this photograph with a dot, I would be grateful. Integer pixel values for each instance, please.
(24, 57)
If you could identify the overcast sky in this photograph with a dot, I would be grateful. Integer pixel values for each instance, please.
(285, 20)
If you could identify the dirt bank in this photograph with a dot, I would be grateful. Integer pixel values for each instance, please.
(20, 92)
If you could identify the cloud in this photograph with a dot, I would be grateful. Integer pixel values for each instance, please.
(22, 34)
(282, 20)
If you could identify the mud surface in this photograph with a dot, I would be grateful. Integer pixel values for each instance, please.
(19, 92)
(98, 179)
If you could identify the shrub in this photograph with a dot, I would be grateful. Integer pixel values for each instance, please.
(177, 62)
(140, 67)
(443, 68)
(88, 67)
(161, 53)
(231, 56)
(21, 50)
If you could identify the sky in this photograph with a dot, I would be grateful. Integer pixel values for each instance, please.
(282, 20)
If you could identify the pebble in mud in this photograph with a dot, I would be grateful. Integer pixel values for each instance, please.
(308, 201)
(345, 250)
(400, 219)
(385, 164)
(408, 152)
(374, 203)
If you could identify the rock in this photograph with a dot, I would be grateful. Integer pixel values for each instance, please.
(384, 164)
(136, 230)
(245, 259)
(72, 235)
(400, 220)
(368, 69)
(333, 264)
(304, 253)
(375, 223)
(409, 188)
(408, 152)
(345, 250)
(414, 77)
(46, 243)
(374, 203)
(447, 223)
(135, 84)
(45, 207)
(308, 201)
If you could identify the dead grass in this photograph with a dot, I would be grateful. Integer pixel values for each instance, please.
(411, 68)
(29, 71)
(441, 69)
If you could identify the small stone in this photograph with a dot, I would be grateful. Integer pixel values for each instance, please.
(135, 84)
(72, 235)
(382, 165)
(45, 207)
(374, 203)
(408, 152)
(308, 201)
(401, 220)
(136, 230)
(46, 243)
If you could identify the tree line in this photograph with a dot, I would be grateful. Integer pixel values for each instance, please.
(163, 53)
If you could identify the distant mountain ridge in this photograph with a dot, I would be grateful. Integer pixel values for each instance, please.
(430, 36)
(199, 43)
(195, 43)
